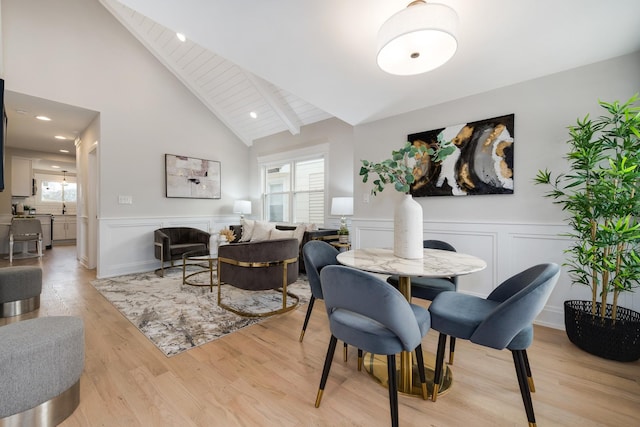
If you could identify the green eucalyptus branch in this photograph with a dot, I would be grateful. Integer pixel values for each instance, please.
(399, 169)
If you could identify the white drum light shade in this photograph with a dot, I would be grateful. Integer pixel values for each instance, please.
(417, 39)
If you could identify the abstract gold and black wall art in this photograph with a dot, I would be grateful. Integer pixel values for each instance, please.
(481, 164)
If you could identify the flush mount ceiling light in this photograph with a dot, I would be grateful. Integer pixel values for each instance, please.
(59, 137)
(43, 118)
(417, 39)
(253, 115)
(181, 37)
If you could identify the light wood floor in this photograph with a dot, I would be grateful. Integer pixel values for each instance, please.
(262, 375)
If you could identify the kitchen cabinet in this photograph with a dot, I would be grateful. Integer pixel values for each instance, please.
(21, 177)
(64, 227)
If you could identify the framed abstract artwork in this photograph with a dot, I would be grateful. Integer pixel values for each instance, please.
(481, 164)
(188, 177)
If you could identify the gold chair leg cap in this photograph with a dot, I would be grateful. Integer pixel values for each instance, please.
(435, 392)
(451, 358)
(532, 386)
(359, 363)
(319, 398)
(425, 394)
(301, 336)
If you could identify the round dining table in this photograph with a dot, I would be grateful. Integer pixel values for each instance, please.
(434, 263)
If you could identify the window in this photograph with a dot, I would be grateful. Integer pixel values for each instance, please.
(293, 190)
(55, 191)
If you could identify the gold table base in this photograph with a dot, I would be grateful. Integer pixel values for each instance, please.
(376, 366)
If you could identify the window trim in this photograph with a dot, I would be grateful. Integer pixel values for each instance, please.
(307, 153)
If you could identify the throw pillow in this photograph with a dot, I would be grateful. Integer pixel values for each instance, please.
(247, 229)
(261, 231)
(281, 234)
(298, 233)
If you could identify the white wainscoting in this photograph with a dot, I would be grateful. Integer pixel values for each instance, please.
(508, 248)
(126, 244)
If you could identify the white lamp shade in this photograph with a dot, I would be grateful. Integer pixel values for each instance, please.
(417, 39)
(342, 206)
(242, 207)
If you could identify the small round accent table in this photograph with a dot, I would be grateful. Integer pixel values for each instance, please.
(341, 246)
(206, 263)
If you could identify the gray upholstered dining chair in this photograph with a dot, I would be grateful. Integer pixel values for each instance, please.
(368, 313)
(503, 320)
(317, 255)
(428, 288)
(25, 230)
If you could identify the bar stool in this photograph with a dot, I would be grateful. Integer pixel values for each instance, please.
(25, 230)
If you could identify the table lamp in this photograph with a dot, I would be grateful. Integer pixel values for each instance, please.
(342, 206)
(243, 207)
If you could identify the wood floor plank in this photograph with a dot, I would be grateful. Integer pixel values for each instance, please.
(263, 376)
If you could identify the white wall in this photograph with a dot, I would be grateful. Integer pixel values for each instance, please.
(75, 52)
(511, 232)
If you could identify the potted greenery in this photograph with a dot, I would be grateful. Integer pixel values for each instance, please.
(343, 234)
(401, 170)
(600, 194)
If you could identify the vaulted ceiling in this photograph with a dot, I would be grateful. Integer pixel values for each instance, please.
(295, 62)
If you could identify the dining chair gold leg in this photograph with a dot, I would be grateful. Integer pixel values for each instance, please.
(359, 360)
(327, 367)
(437, 374)
(532, 386)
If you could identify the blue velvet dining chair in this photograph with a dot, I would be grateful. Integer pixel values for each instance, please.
(503, 320)
(427, 288)
(368, 313)
(317, 255)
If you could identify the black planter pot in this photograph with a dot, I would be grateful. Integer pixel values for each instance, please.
(601, 336)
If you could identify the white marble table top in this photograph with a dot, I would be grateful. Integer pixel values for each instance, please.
(436, 263)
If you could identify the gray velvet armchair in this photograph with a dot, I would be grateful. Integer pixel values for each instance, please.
(259, 266)
(170, 243)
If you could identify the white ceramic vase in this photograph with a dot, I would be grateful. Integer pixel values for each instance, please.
(407, 229)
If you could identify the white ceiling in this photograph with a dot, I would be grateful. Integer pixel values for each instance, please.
(321, 53)
(297, 62)
(25, 132)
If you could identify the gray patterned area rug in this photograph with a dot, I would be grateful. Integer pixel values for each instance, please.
(177, 317)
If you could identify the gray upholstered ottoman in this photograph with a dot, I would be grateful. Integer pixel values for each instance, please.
(20, 289)
(41, 362)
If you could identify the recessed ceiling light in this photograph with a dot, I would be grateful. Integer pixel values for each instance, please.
(64, 151)
(181, 37)
(44, 118)
(59, 137)
(55, 167)
(253, 115)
